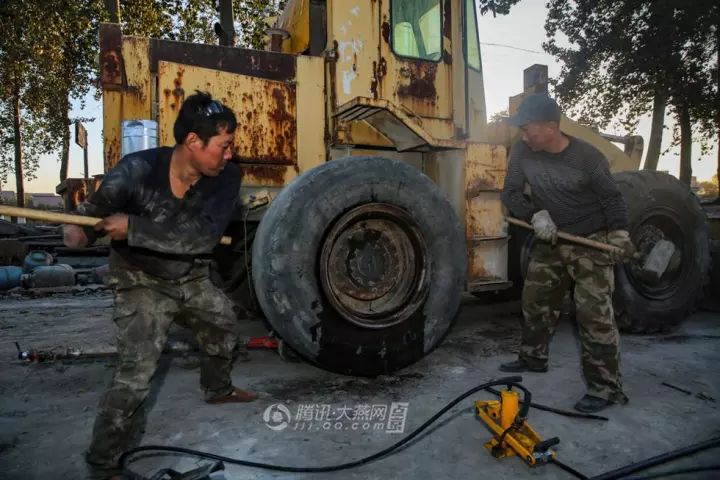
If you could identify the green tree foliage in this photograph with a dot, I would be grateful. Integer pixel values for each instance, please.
(24, 133)
(628, 58)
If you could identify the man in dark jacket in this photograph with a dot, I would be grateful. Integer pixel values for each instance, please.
(164, 209)
(571, 189)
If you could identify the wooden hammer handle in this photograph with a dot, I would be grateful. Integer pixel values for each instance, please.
(570, 237)
(54, 217)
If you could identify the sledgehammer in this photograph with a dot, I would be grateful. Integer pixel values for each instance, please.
(53, 217)
(654, 265)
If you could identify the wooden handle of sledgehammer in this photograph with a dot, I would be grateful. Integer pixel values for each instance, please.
(54, 217)
(570, 237)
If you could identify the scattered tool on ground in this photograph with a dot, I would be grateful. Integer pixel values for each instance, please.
(700, 395)
(654, 263)
(55, 217)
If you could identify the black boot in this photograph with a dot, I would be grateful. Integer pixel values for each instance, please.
(521, 365)
(592, 404)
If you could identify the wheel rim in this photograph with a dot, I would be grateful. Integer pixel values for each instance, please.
(373, 266)
(657, 225)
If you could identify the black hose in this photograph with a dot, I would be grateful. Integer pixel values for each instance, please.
(669, 473)
(569, 469)
(508, 381)
(545, 408)
(657, 460)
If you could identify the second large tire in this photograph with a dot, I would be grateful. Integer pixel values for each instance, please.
(359, 265)
(661, 207)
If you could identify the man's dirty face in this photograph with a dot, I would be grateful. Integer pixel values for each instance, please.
(210, 159)
(538, 135)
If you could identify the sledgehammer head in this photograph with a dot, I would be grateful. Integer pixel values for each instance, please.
(658, 260)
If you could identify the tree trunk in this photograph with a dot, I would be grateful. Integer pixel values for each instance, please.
(685, 144)
(19, 185)
(656, 132)
(65, 152)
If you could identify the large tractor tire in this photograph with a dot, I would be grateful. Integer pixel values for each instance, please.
(359, 265)
(661, 207)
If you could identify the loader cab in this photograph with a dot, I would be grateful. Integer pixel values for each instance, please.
(410, 69)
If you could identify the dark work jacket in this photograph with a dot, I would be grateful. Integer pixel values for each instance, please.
(165, 233)
(575, 186)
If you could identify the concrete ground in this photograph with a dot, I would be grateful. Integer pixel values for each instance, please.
(47, 410)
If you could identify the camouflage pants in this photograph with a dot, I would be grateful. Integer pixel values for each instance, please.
(145, 307)
(551, 273)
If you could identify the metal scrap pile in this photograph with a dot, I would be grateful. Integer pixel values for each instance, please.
(33, 256)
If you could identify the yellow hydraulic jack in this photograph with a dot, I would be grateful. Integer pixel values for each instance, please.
(513, 435)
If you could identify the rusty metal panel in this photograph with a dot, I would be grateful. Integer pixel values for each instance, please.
(112, 118)
(487, 263)
(423, 87)
(361, 133)
(311, 150)
(485, 168)
(354, 31)
(259, 175)
(265, 109)
(485, 216)
(485, 225)
(257, 63)
(405, 130)
(74, 192)
(110, 55)
(137, 93)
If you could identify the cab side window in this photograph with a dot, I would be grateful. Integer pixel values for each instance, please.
(417, 29)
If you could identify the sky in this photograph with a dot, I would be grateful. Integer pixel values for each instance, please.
(523, 29)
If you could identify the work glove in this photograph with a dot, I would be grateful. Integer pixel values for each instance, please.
(625, 248)
(544, 226)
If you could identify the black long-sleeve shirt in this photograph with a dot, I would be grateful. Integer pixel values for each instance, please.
(575, 186)
(165, 233)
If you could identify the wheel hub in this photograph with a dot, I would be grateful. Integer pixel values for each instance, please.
(373, 266)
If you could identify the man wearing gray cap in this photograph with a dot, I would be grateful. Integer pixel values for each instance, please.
(571, 189)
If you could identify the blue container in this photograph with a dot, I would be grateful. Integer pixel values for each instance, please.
(10, 277)
(37, 258)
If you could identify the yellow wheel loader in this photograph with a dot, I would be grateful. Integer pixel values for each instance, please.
(371, 178)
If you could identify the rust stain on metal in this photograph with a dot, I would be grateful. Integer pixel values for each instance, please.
(479, 185)
(477, 270)
(421, 84)
(266, 174)
(75, 191)
(379, 71)
(178, 93)
(255, 63)
(110, 55)
(112, 152)
(447, 20)
(385, 29)
(268, 128)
